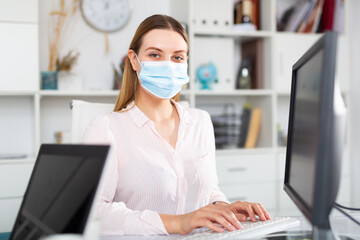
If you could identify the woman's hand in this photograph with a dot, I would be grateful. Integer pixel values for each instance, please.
(228, 216)
(243, 210)
(204, 217)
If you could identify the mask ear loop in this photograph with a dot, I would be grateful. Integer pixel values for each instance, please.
(137, 58)
(140, 64)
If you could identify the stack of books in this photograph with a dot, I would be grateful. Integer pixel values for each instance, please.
(237, 130)
(312, 16)
(249, 127)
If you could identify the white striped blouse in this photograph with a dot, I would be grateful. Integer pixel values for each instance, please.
(146, 177)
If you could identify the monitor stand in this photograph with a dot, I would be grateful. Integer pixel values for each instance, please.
(322, 234)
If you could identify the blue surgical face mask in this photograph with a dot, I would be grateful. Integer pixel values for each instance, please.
(164, 79)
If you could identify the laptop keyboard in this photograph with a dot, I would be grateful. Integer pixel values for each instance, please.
(249, 230)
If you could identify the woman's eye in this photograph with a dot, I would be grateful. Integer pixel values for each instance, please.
(154, 55)
(179, 58)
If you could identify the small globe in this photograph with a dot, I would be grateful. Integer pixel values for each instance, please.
(207, 75)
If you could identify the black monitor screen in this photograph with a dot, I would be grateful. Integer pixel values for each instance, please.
(315, 133)
(61, 190)
(305, 125)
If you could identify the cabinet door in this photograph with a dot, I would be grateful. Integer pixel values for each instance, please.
(8, 211)
(222, 57)
(14, 179)
(290, 47)
(246, 168)
(19, 58)
(264, 193)
(19, 11)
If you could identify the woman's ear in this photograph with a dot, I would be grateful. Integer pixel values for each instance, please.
(133, 59)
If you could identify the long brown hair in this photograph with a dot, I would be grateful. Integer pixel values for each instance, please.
(130, 83)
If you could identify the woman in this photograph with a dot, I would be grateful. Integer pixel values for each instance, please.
(161, 175)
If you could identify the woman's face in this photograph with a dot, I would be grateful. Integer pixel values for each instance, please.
(160, 45)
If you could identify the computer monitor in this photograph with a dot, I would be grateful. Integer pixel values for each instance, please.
(315, 135)
(61, 191)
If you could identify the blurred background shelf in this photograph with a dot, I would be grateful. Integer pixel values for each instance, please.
(79, 93)
(239, 92)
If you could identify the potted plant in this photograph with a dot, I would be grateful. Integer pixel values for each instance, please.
(68, 80)
(60, 21)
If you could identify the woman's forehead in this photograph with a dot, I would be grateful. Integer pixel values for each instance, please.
(165, 40)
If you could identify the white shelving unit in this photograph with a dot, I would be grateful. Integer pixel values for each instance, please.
(19, 82)
(256, 174)
(30, 116)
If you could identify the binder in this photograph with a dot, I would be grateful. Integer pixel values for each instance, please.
(213, 14)
(254, 128)
(255, 50)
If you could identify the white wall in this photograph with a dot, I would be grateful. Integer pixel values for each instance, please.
(354, 114)
(94, 63)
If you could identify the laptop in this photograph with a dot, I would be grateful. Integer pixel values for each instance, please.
(61, 191)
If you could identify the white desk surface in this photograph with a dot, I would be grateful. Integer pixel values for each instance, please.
(340, 224)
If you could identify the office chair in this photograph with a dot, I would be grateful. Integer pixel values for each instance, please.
(84, 112)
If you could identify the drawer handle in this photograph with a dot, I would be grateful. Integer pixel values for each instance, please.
(239, 169)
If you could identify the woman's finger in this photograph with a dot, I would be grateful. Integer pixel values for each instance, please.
(207, 223)
(230, 217)
(258, 211)
(241, 217)
(267, 215)
(223, 222)
(246, 206)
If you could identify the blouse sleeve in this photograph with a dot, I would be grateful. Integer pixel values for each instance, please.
(217, 194)
(116, 218)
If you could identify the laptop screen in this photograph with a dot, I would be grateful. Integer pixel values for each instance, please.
(61, 190)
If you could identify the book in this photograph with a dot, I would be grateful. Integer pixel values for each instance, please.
(256, 20)
(238, 12)
(318, 16)
(314, 19)
(327, 18)
(254, 128)
(338, 24)
(254, 50)
(306, 19)
(299, 13)
(244, 125)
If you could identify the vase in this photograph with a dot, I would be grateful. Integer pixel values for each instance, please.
(49, 80)
(69, 81)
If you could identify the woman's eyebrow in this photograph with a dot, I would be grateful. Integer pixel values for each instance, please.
(158, 49)
(154, 48)
(180, 51)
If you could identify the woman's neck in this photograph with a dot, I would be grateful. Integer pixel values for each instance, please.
(156, 109)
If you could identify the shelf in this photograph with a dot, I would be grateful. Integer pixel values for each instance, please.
(17, 160)
(283, 94)
(298, 34)
(185, 92)
(17, 93)
(50, 93)
(244, 151)
(242, 92)
(232, 33)
(281, 150)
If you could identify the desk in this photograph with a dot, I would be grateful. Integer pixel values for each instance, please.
(340, 224)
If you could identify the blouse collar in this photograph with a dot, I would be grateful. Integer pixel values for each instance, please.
(140, 118)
